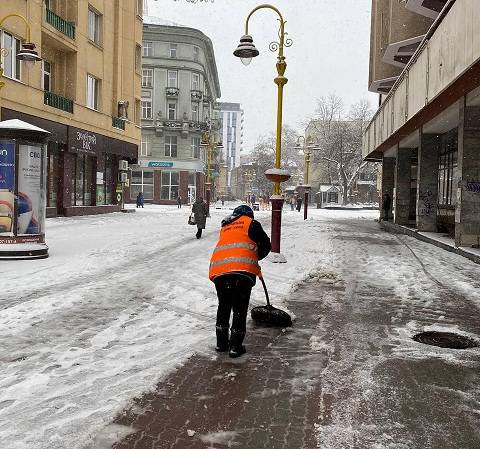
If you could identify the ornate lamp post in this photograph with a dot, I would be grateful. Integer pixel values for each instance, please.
(246, 50)
(307, 145)
(27, 53)
(210, 143)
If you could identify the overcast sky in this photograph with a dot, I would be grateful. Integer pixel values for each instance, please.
(330, 53)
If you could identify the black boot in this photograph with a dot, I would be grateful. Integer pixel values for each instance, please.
(222, 339)
(199, 234)
(236, 347)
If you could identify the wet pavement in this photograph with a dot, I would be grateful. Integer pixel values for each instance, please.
(348, 374)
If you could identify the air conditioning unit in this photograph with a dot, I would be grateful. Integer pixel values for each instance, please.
(123, 165)
(122, 177)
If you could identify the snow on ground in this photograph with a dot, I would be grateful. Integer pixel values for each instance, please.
(121, 301)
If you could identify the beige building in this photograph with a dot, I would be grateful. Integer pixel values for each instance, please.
(85, 92)
(426, 132)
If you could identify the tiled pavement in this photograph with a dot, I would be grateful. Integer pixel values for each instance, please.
(268, 398)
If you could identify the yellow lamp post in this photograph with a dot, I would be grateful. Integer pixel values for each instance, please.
(246, 50)
(27, 53)
(307, 145)
(209, 142)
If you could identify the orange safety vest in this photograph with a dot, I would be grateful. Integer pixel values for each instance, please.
(235, 250)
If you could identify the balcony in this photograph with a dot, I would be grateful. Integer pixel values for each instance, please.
(423, 85)
(118, 122)
(172, 92)
(196, 95)
(67, 28)
(57, 101)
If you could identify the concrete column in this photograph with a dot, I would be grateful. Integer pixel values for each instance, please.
(403, 176)
(467, 212)
(427, 182)
(388, 180)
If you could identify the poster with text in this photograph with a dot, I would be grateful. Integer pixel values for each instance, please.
(30, 204)
(7, 187)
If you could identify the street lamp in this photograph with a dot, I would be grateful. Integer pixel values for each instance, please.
(310, 143)
(27, 53)
(246, 50)
(210, 143)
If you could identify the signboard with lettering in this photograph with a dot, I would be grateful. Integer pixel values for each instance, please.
(7, 186)
(160, 164)
(82, 141)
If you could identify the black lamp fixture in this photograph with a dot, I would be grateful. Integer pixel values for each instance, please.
(28, 54)
(246, 50)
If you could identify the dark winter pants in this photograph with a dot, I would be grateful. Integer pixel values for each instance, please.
(233, 293)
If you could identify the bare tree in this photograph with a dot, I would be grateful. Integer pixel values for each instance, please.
(340, 140)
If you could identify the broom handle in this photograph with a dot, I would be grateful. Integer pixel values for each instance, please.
(265, 290)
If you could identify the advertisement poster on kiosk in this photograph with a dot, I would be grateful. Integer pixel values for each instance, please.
(30, 197)
(7, 187)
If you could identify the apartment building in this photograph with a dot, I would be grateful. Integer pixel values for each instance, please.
(426, 131)
(179, 87)
(85, 92)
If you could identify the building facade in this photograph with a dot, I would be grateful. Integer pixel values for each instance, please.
(427, 130)
(231, 119)
(179, 88)
(85, 92)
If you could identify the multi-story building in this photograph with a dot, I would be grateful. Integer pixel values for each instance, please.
(426, 132)
(85, 92)
(231, 116)
(179, 88)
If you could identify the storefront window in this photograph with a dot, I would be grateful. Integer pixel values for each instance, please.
(109, 181)
(448, 169)
(83, 180)
(170, 185)
(142, 181)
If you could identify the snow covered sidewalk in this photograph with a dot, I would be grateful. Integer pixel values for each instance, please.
(122, 300)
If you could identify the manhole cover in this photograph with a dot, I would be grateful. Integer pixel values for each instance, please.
(445, 340)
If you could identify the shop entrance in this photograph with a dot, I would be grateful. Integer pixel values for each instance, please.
(192, 194)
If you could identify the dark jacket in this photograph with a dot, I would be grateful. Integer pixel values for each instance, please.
(200, 210)
(387, 202)
(258, 235)
(140, 199)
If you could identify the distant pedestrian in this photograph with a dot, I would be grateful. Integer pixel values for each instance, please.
(179, 202)
(233, 269)
(299, 203)
(140, 200)
(253, 198)
(200, 210)
(292, 203)
(386, 206)
(223, 200)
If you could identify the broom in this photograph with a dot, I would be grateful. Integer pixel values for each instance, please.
(269, 315)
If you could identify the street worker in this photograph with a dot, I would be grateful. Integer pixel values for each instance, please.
(233, 269)
(200, 210)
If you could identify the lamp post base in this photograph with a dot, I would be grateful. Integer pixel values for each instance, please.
(208, 199)
(305, 204)
(277, 205)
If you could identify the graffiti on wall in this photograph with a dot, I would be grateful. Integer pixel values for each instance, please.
(427, 206)
(473, 186)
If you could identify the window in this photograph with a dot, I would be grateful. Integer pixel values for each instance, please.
(172, 78)
(92, 92)
(171, 146)
(138, 58)
(195, 81)
(147, 108)
(110, 167)
(50, 4)
(147, 77)
(332, 197)
(195, 112)
(146, 147)
(147, 48)
(173, 50)
(47, 76)
(142, 181)
(169, 185)
(172, 111)
(82, 181)
(10, 63)
(94, 26)
(52, 174)
(196, 147)
(448, 169)
(196, 53)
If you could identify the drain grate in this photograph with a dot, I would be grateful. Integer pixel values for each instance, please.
(445, 340)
